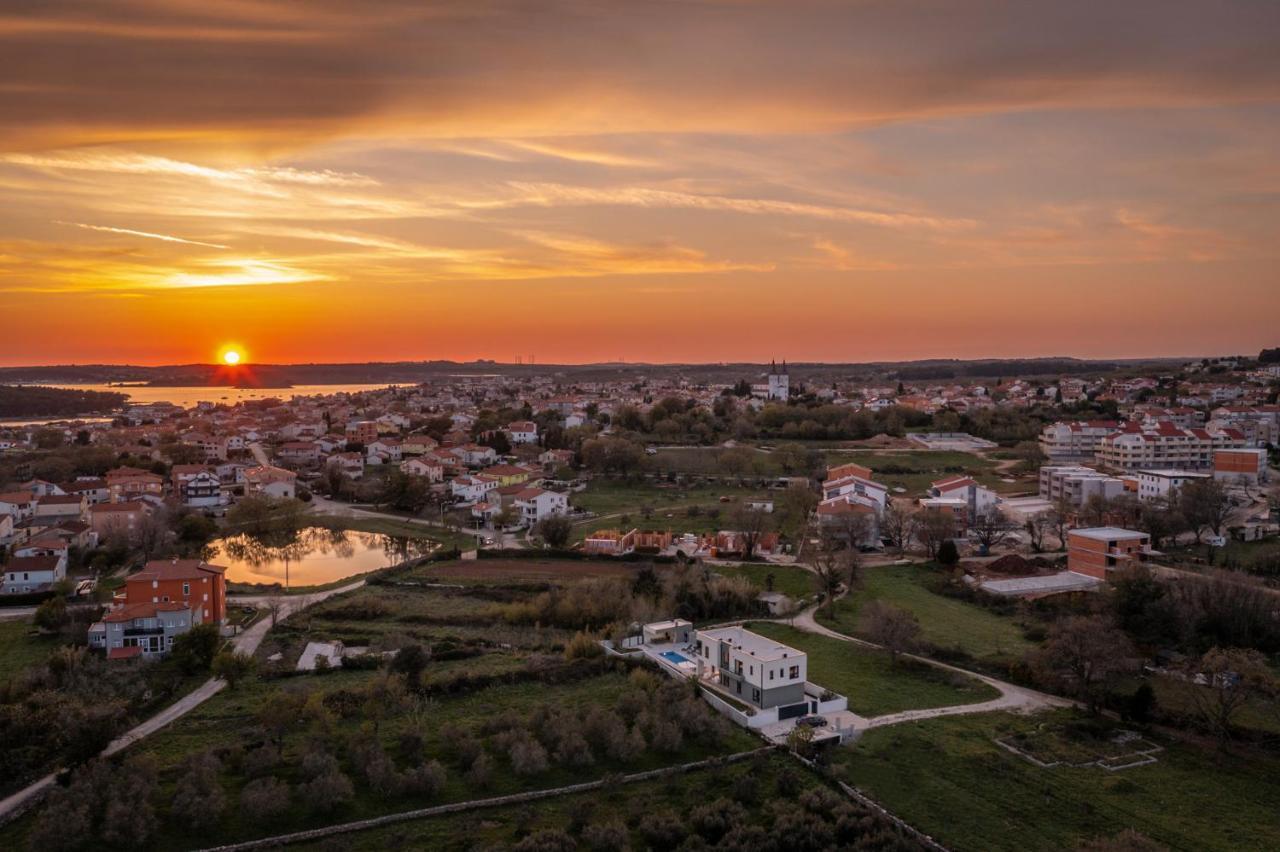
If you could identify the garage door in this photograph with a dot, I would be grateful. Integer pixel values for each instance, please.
(793, 711)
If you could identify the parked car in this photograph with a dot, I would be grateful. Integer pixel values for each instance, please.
(811, 722)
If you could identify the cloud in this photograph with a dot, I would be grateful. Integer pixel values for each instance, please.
(163, 237)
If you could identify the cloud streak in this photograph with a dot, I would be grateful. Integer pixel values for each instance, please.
(148, 235)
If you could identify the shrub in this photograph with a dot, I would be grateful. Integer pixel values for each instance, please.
(264, 798)
(480, 775)
(327, 791)
(947, 553)
(606, 837)
(198, 799)
(261, 761)
(426, 780)
(663, 830)
(528, 757)
(582, 646)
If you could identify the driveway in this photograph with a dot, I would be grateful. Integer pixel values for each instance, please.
(246, 642)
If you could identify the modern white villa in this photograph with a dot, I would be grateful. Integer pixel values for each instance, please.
(756, 681)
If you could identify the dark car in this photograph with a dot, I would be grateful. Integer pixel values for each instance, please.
(812, 722)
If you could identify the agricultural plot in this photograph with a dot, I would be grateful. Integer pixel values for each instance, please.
(22, 647)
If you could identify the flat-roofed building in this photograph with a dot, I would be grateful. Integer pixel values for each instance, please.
(1165, 484)
(758, 670)
(1241, 465)
(1096, 550)
(1076, 484)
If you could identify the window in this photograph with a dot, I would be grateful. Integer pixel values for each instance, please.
(186, 589)
(770, 674)
(795, 672)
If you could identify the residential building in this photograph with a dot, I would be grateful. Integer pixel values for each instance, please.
(60, 507)
(977, 498)
(351, 465)
(609, 543)
(417, 445)
(188, 581)
(1076, 484)
(271, 481)
(95, 491)
(751, 667)
(19, 505)
(144, 630)
(472, 489)
(362, 432)
(122, 519)
(1241, 465)
(1165, 484)
(299, 452)
(537, 504)
(523, 432)
(130, 483)
(1165, 447)
(1096, 550)
(25, 575)
(202, 491)
(424, 466)
(1077, 441)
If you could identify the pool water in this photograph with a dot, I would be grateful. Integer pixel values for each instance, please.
(674, 657)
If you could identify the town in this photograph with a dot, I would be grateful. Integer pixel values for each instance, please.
(263, 618)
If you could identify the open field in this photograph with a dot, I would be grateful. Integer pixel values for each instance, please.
(790, 580)
(22, 647)
(915, 471)
(874, 685)
(949, 778)
(608, 496)
(945, 623)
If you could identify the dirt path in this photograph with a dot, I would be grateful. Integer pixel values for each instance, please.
(246, 642)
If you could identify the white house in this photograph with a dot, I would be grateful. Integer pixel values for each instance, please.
(977, 497)
(1165, 484)
(202, 490)
(27, 574)
(751, 667)
(19, 505)
(535, 504)
(424, 466)
(523, 432)
(270, 480)
(472, 489)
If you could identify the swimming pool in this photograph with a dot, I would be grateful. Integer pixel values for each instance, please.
(674, 657)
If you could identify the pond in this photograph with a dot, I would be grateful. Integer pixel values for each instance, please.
(312, 556)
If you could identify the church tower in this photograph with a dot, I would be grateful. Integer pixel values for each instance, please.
(779, 382)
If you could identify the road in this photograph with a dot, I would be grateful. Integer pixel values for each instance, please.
(259, 454)
(245, 642)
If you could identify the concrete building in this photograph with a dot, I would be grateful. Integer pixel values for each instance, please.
(977, 498)
(1247, 465)
(757, 670)
(1078, 441)
(1165, 484)
(144, 630)
(1076, 484)
(1096, 550)
(25, 575)
(779, 382)
(1165, 447)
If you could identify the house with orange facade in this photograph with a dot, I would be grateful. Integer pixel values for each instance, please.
(1094, 551)
(159, 603)
(1240, 465)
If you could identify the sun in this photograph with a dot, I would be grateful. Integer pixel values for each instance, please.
(231, 356)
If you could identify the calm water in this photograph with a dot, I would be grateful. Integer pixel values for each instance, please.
(313, 556)
(188, 397)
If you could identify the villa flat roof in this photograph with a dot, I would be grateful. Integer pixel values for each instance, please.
(760, 647)
(1107, 533)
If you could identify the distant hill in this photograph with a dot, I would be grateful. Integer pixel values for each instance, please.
(36, 401)
(410, 372)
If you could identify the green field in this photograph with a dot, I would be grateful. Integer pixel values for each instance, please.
(790, 580)
(916, 470)
(948, 777)
(609, 496)
(873, 684)
(945, 623)
(22, 647)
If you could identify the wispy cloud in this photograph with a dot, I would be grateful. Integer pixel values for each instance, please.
(147, 234)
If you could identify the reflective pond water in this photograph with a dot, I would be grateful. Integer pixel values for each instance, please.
(312, 556)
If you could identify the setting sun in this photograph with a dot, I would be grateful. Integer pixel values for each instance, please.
(231, 357)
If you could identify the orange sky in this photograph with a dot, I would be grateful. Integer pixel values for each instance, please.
(696, 181)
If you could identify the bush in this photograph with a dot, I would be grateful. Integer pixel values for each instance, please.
(194, 650)
(480, 775)
(426, 780)
(528, 757)
(198, 798)
(947, 553)
(264, 798)
(582, 646)
(327, 791)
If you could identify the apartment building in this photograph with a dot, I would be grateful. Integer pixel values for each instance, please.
(362, 431)
(751, 667)
(1077, 441)
(976, 498)
(1076, 484)
(144, 630)
(1096, 550)
(1165, 447)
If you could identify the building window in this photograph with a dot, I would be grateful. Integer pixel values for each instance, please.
(795, 672)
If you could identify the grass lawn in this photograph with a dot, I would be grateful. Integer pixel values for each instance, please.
(607, 496)
(948, 778)
(873, 685)
(21, 647)
(944, 622)
(790, 580)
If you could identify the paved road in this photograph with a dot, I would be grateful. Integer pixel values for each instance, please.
(1012, 698)
(246, 642)
(13, 612)
(259, 454)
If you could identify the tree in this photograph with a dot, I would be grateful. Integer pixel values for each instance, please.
(51, 616)
(233, 667)
(830, 562)
(1060, 519)
(411, 661)
(991, 527)
(752, 524)
(1159, 520)
(1232, 677)
(897, 525)
(948, 554)
(933, 527)
(891, 627)
(198, 799)
(1082, 654)
(800, 740)
(264, 798)
(1038, 526)
(555, 530)
(1205, 504)
(194, 650)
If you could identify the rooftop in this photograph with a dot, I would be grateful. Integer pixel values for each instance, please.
(1108, 533)
(760, 647)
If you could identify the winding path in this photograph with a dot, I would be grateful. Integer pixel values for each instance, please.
(245, 642)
